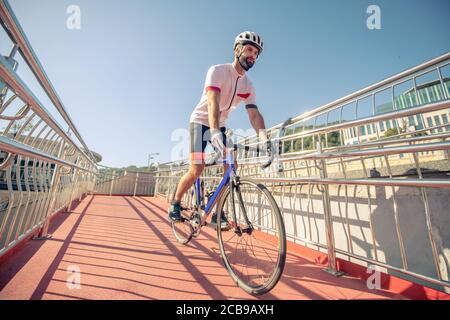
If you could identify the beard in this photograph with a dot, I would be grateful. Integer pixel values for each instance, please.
(245, 64)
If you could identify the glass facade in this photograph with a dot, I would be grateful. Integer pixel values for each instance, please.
(427, 93)
(419, 125)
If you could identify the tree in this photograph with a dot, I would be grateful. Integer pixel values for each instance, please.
(287, 146)
(391, 132)
(403, 125)
(334, 139)
(131, 168)
(297, 145)
(308, 143)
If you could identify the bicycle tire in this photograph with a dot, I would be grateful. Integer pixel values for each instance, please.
(276, 274)
(184, 231)
(185, 236)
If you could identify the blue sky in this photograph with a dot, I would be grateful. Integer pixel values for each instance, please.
(134, 72)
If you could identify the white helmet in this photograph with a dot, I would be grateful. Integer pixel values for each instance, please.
(249, 37)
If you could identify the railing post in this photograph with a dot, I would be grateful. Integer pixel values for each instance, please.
(332, 266)
(74, 185)
(43, 232)
(112, 183)
(157, 182)
(152, 191)
(135, 184)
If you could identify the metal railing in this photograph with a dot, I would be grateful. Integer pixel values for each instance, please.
(113, 181)
(19, 38)
(42, 170)
(376, 199)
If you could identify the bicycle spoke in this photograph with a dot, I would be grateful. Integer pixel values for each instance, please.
(264, 249)
(255, 258)
(254, 253)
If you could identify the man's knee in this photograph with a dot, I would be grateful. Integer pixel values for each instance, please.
(196, 169)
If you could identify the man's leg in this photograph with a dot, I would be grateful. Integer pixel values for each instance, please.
(186, 182)
(195, 170)
(198, 145)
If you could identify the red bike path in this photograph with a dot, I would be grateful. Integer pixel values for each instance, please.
(123, 248)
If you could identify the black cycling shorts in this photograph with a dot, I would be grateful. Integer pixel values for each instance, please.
(200, 136)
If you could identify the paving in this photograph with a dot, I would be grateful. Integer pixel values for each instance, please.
(120, 248)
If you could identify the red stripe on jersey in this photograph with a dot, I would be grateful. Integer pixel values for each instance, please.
(244, 95)
(213, 88)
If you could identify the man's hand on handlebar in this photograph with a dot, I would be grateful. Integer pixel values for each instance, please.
(217, 141)
(266, 150)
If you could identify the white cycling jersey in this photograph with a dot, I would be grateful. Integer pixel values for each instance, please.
(233, 89)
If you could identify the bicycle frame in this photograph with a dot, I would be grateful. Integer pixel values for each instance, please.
(229, 174)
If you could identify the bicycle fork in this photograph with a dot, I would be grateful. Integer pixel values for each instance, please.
(235, 184)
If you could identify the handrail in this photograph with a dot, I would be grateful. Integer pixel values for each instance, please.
(7, 162)
(14, 147)
(437, 146)
(355, 153)
(386, 116)
(430, 107)
(388, 182)
(120, 169)
(20, 116)
(421, 183)
(379, 143)
(114, 181)
(18, 36)
(22, 90)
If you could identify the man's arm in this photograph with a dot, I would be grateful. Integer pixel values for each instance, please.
(257, 122)
(213, 108)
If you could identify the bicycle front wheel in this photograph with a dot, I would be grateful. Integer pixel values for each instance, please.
(254, 249)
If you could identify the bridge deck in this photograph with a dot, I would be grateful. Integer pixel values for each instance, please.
(125, 250)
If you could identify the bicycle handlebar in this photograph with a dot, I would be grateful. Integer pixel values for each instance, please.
(270, 149)
(212, 161)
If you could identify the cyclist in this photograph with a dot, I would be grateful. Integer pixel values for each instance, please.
(226, 86)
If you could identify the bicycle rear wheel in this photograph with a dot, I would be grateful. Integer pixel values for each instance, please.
(254, 249)
(183, 231)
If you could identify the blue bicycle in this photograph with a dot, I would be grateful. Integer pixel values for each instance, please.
(253, 246)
